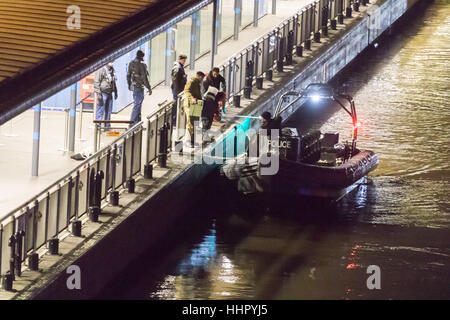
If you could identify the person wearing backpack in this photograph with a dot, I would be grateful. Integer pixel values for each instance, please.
(179, 79)
(137, 78)
(104, 87)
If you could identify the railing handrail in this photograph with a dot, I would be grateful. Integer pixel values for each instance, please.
(268, 33)
(68, 175)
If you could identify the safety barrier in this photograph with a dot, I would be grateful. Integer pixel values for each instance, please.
(276, 48)
(43, 219)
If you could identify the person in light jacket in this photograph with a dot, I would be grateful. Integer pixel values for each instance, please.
(192, 93)
(105, 87)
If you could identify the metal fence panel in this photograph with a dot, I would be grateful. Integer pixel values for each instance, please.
(82, 189)
(29, 230)
(52, 214)
(128, 148)
(137, 151)
(153, 134)
(103, 166)
(72, 199)
(40, 223)
(8, 230)
(63, 206)
(119, 165)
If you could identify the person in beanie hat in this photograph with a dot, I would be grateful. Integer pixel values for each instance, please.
(266, 119)
(210, 107)
(137, 78)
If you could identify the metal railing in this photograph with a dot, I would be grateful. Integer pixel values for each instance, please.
(275, 48)
(48, 215)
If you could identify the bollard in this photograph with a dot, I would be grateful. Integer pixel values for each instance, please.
(356, 6)
(114, 198)
(53, 246)
(308, 44)
(299, 51)
(162, 155)
(348, 12)
(131, 184)
(247, 92)
(259, 83)
(316, 36)
(340, 19)
(33, 262)
(237, 101)
(94, 212)
(333, 24)
(7, 282)
(148, 172)
(269, 75)
(76, 228)
(325, 31)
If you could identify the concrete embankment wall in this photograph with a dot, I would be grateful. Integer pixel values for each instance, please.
(150, 215)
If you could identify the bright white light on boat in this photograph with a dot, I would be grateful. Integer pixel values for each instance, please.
(316, 98)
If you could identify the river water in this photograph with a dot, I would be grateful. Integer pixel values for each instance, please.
(399, 220)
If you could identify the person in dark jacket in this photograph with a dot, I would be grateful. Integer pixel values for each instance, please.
(137, 78)
(104, 88)
(266, 120)
(179, 79)
(214, 79)
(210, 106)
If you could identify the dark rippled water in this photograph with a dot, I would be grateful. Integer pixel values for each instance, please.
(399, 220)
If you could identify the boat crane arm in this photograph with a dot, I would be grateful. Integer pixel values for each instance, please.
(321, 91)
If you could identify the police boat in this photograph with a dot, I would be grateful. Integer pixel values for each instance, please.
(313, 164)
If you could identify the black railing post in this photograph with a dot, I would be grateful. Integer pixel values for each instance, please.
(280, 58)
(12, 258)
(114, 194)
(33, 257)
(19, 247)
(290, 47)
(325, 21)
(94, 208)
(162, 154)
(248, 79)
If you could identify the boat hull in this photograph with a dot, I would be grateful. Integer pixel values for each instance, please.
(313, 180)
